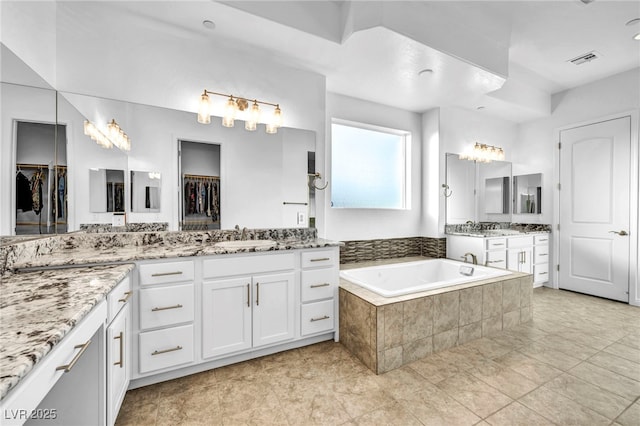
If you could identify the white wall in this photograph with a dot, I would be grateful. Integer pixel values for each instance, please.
(537, 144)
(366, 224)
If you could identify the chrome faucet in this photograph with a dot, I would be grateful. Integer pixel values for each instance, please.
(244, 234)
(474, 259)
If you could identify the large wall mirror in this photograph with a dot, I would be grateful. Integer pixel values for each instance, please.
(527, 194)
(477, 192)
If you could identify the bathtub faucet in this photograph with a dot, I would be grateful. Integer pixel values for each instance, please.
(474, 259)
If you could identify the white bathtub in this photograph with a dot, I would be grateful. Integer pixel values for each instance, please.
(412, 277)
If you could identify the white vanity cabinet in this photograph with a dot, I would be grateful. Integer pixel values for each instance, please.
(520, 253)
(540, 258)
(165, 330)
(319, 287)
(246, 311)
(118, 347)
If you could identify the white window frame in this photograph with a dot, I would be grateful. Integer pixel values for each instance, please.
(406, 181)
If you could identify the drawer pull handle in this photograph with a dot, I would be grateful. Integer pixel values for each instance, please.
(543, 273)
(496, 244)
(75, 359)
(546, 239)
(257, 294)
(543, 254)
(495, 261)
(121, 338)
(164, 274)
(127, 295)
(166, 307)
(248, 295)
(164, 351)
(320, 318)
(320, 259)
(320, 285)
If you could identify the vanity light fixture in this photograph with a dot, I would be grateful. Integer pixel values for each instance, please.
(118, 137)
(483, 153)
(115, 135)
(235, 104)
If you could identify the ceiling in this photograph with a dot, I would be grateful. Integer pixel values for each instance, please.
(506, 56)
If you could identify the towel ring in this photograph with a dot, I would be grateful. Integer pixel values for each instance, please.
(446, 191)
(313, 185)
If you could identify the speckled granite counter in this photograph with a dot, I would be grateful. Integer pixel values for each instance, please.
(37, 309)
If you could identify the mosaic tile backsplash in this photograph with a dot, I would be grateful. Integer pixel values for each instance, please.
(390, 248)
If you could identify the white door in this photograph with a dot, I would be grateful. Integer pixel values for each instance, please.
(594, 209)
(273, 308)
(226, 316)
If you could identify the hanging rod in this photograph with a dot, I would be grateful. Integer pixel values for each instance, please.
(299, 204)
(188, 176)
(32, 166)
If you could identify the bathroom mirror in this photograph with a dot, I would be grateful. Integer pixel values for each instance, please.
(478, 192)
(527, 191)
(107, 191)
(145, 192)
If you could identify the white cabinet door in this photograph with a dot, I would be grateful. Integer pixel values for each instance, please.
(273, 308)
(118, 357)
(520, 260)
(226, 316)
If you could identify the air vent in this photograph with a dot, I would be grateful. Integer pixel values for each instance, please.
(587, 57)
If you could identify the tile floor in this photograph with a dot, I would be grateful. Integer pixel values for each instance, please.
(576, 363)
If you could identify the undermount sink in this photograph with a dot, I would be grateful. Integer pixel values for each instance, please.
(246, 244)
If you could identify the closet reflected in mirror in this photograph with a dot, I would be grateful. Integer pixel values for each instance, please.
(106, 193)
(200, 185)
(145, 191)
(41, 178)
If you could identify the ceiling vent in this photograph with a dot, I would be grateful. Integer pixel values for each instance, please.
(587, 57)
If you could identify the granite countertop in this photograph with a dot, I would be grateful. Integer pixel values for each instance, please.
(37, 309)
(496, 233)
(158, 250)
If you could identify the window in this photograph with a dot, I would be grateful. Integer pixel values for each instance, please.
(369, 167)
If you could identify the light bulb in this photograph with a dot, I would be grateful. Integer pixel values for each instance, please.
(271, 128)
(277, 117)
(229, 113)
(204, 114)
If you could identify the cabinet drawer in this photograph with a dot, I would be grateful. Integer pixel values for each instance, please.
(318, 284)
(166, 348)
(520, 242)
(541, 239)
(246, 265)
(541, 273)
(161, 273)
(166, 306)
(496, 243)
(541, 254)
(497, 259)
(118, 298)
(312, 259)
(317, 317)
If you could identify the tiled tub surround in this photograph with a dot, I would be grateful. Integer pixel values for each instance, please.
(391, 248)
(387, 333)
(37, 309)
(95, 248)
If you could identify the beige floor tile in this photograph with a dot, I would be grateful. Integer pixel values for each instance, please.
(401, 381)
(392, 415)
(489, 348)
(270, 414)
(431, 406)
(187, 383)
(143, 395)
(360, 395)
(534, 370)
(195, 407)
(238, 371)
(546, 354)
(596, 341)
(624, 351)
(631, 417)
(474, 394)
(435, 368)
(560, 409)
(307, 402)
(616, 364)
(509, 382)
(239, 395)
(516, 414)
(613, 382)
(588, 395)
(137, 413)
(632, 340)
(567, 346)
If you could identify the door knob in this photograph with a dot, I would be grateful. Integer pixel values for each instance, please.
(621, 233)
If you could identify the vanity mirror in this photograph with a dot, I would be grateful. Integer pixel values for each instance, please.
(145, 191)
(106, 190)
(527, 191)
(475, 191)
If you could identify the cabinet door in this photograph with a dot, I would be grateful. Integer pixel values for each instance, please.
(273, 308)
(118, 356)
(527, 261)
(520, 260)
(226, 316)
